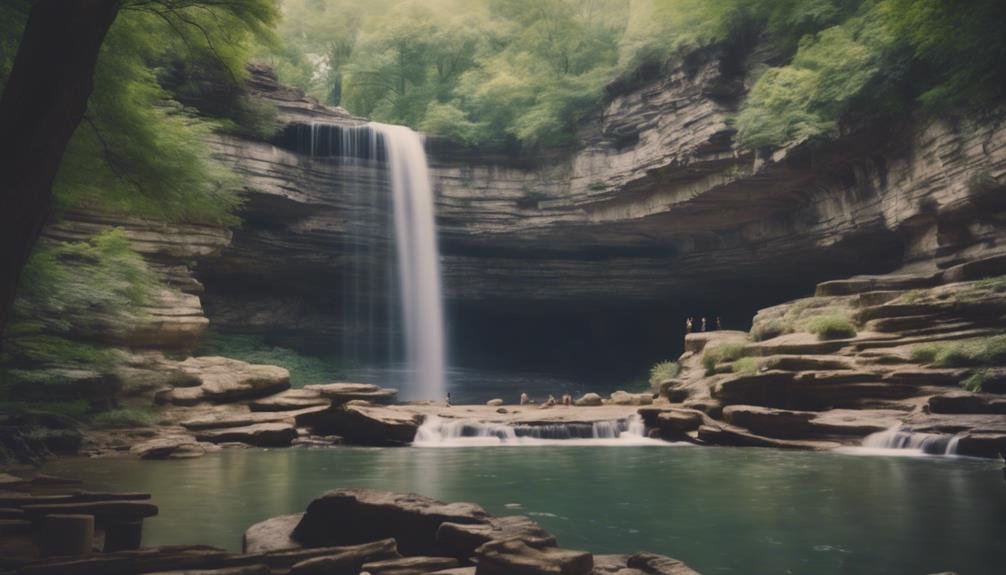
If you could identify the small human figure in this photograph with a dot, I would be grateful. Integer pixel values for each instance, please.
(719, 323)
(567, 399)
(448, 399)
(703, 324)
(688, 325)
(524, 400)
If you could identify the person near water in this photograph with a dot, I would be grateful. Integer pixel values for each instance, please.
(688, 325)
(448, 399)
(719, 323)
(567, 399)
(524, 400)
(703, 324)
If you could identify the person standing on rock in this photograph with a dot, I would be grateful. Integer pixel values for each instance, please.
(703, 324)
(688, 325)
(448, 399)
(523, 399)
(719, 324)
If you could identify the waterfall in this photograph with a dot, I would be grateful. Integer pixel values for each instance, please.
(442, 432)
(899, 438)
(418, 260)
(399, 152)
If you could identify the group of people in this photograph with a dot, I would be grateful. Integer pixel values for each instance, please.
(691, 325)
(567, 400)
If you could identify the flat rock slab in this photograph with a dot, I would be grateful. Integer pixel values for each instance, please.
(738, 437)
(174, 447)
(289, 400)
(353, 516)
(513, 557)
(363, 423)
(117, 510)
(790, 424)
(461, 540)
(339, 393)
(224, 379)
(409, 565)
(271, 535)
(225, 420)
(659, 565)
(334, 560)
(260, 434)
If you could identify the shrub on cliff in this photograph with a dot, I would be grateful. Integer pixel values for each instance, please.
(663, 371)
(712, 357)
(831, 327)
(963, 353)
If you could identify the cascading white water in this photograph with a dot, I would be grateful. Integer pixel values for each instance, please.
(415, 240)
(418, 260)
(924, 443)
(441, 432)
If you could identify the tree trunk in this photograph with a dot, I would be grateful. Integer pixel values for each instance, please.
(42, 104)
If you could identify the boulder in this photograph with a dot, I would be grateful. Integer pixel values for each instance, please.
(964, 402)
(271, 535)
(514, 557)
(462, 539)
(626, 398)
(260, 434)
(409, 565)
(659, 565)
(183, 396)
(677, 422)
(340, 393)
(225, 379)
(365, 424)
(982, 444)
(589, 399)
(347, 560)
(174, 447)
(495, 402)
(352, 516)
(290, 400)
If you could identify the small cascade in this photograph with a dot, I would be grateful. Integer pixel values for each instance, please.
(442, 432)
(898, 437)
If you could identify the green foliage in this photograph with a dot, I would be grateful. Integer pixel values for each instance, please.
(723, 353)
(831, 327)
(746, 365)
(304, 369)
(975, 381)
(495, 72)
(663, 371)
(483, 72)
(964, 353)
(123, 418)
(961, 47)
(71, 292)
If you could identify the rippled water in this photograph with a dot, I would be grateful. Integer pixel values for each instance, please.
(737, 511)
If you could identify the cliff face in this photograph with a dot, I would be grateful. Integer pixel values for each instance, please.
(658, 212)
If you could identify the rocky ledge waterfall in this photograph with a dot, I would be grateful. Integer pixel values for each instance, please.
(400, 152)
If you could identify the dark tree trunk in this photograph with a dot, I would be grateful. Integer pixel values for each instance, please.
(42, 104)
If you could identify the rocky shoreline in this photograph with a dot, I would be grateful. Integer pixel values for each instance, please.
(342, 532)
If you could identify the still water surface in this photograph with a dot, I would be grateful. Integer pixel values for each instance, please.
(736, 511)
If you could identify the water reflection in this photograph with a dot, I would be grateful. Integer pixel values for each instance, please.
(721, 510)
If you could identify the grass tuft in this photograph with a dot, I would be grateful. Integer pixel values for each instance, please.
(831, 327)
(663, 371)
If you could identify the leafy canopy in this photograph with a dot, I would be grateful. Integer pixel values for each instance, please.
(503, 72)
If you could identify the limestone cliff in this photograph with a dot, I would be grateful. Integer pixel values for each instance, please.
(656, 213)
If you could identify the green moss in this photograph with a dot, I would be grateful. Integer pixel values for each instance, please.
(831, 327)
(746, 365)
(304, 369)
(963, 353)
(123, 418)
(663, 371)
(722, 353)
(975, 382)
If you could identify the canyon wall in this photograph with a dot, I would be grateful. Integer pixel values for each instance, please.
(657, 210)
